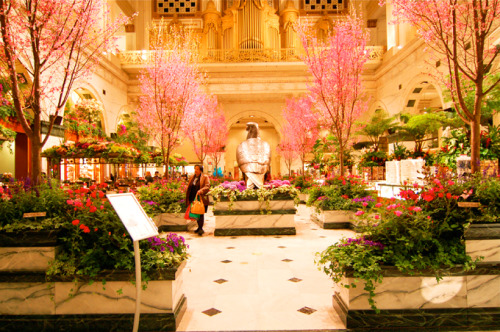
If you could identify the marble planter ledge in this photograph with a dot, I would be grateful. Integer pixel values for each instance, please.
(459, 300)
(104, 306)
(336, 219)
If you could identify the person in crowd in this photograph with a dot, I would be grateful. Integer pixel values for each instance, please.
(230, 175)
(157, 176)
(148, 177)
(198, 184)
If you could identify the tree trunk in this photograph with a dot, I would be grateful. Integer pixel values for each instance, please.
(36, 161)
(475, 144)
(341, 159)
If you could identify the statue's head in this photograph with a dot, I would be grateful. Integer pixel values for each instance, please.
(253, 130)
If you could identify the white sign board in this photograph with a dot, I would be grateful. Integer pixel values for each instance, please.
(132, 215)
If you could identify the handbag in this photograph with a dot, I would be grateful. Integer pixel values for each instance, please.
(191, 216)
(197, 206)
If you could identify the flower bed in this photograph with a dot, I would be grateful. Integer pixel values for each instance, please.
(164, 201)
(387, 268)
(59, 284)
(265, 211)
(336, 201)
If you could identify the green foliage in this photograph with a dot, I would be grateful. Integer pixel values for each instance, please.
(373, 158)
(376, 127)
(163, 197)
(303, 183)
(400, 152)
(417, 127)
(20, 198)
(458, 143)
(340, 193)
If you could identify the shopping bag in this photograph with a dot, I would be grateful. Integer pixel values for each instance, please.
(193, 216)
(186, 215)
(197, 206)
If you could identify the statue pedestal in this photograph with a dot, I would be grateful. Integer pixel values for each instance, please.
(245, 218)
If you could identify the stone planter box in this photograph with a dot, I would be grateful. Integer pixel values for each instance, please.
(483, 240)
(303, 198)
(336, 219)
(459, 300)
(28, 302)
(27, 251)
(246, 218)
(172, 222)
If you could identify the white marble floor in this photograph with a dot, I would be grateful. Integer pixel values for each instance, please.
(259, 282)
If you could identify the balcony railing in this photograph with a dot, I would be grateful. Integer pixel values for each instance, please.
(239, 55)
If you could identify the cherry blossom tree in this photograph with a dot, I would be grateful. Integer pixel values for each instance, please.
(301, 126)
(215, 148)
(336, 65)
(287, 150)
(56, 42)
(171, 87)
(204, 125)
(459, 31)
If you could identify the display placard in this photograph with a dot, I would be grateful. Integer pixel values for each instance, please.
(469, 204)
(133, 216)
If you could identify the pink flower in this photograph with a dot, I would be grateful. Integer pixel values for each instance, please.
(69, 202)
(398, 213)
(360, 213)
(377, 216)
(365, 204)
(417, 209)
(436, 181)
(378, 205)
(451, 183)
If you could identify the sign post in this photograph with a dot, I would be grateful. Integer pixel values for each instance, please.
(140, 227)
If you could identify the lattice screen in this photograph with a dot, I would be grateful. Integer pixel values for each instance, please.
(176, 6)
(230, 3)
(320, 5)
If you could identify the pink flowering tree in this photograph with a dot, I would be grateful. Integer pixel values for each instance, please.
(288, 151)
(56, 42)
(336, 65)
(204, 125)
(301, 126)
(217, 144)
(170, 87)
(459, 34)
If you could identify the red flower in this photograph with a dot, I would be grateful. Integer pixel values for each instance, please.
(101, 194)
(75, 222)
(82, 226)
(345, 197)
(92, 209)
(92, 187)
(86, 230)
(448, 195)
(93, 195)
(441, 195)
(428, 197)
(69, 202)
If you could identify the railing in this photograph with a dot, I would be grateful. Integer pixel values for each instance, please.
(239, 55)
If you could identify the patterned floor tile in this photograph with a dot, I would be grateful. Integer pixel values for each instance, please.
(306, 310)
(220, 281)
(211, 312)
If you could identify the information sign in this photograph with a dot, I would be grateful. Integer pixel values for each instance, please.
(133, 216)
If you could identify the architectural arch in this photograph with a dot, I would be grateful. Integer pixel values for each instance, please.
(87, 91)
(258, 114)
(422, 92)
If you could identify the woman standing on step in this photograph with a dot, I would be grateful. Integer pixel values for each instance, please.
(198, 184)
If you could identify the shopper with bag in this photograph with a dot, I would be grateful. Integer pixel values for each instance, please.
(197, 191)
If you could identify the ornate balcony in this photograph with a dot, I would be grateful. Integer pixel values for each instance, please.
(135, 58)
